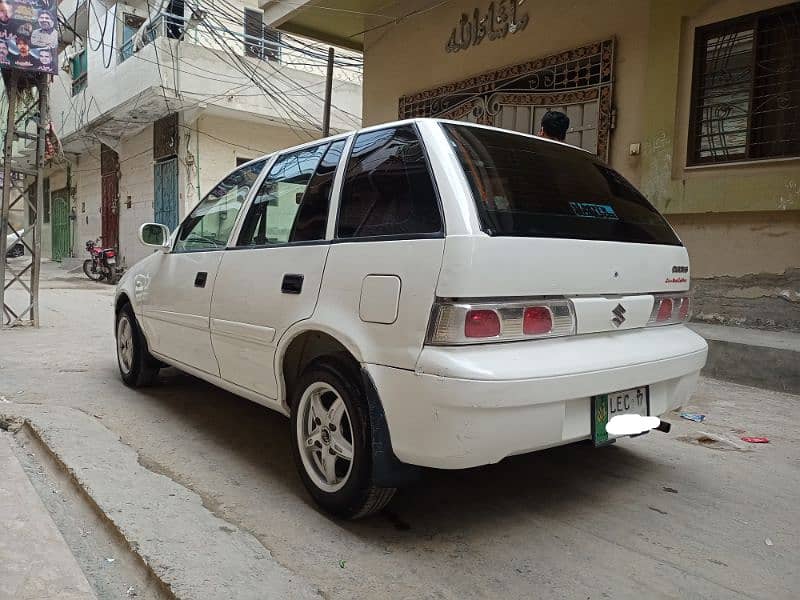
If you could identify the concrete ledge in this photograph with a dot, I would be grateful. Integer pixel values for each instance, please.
(765, 359)
(35, 562)
(190, 550)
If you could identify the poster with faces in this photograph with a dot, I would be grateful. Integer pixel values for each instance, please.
(29, 35)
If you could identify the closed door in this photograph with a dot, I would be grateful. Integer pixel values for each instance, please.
(272, 279)
(178, 303)
(165, 192)
(109, 192)
(582, 130)
(60, 225)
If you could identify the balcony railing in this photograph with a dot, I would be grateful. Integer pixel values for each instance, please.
(272, 46)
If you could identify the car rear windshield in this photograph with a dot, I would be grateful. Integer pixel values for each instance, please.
(529, 187)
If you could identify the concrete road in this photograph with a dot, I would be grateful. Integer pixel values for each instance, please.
(661, 516)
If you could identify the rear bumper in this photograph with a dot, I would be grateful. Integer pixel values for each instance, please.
(470, 406)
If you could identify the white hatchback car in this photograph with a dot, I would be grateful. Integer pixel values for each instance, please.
(422, 293)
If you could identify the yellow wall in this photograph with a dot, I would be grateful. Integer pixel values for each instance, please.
(667, 182)
(410, 57)
(651, 95)
(740, 243)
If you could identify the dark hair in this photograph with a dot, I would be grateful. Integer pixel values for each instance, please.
(555, 124)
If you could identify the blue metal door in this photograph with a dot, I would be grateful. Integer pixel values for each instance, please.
(165, 195)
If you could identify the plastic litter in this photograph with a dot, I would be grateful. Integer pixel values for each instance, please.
(768, 541)
(110, 560)
(132, 592)
(697, 418)
(342, 563)
(755, 440)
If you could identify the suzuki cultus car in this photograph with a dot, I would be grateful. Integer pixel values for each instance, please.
(422, 293)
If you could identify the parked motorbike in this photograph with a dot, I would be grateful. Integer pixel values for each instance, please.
(102, 264)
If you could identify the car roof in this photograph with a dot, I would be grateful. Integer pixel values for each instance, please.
(401, 122)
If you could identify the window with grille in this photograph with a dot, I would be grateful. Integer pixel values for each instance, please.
(746, 88)
(79, 72)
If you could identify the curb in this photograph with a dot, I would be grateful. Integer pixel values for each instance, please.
(186, 549)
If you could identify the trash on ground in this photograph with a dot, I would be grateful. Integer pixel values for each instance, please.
(110, 560)
(342, 563)
(132, 592)
(755, 440)
(707, 438)
(5, 400)
(697, 418)
(768, 541)
(670, 490)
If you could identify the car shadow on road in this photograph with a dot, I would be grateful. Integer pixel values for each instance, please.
(548, 483)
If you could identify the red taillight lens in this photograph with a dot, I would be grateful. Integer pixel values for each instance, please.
(482, 324)
(664, 310)
(683, 313)
(537, 320)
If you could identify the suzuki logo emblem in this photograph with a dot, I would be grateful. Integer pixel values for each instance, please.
(619, 315)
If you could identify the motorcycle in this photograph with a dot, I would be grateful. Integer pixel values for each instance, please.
(102, 264)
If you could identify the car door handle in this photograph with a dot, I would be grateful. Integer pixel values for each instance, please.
(200, 279)
(292, 283)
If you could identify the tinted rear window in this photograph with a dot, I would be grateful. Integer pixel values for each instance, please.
(534, 188)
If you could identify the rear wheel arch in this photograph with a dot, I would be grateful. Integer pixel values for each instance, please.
(301, 350)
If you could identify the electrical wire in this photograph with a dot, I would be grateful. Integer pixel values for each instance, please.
(158, 62)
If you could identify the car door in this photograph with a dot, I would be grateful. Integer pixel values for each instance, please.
(271, 279)
(176, 307)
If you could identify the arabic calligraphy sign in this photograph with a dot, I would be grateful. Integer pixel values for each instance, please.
(28, 36)
(500, 19)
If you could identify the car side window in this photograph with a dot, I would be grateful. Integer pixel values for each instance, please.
(388, 188)
(272, 213)
(312, 217)
(209, 225)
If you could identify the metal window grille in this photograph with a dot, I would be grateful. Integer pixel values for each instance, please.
(746, 88)
(79, 72)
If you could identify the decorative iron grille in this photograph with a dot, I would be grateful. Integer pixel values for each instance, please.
(746, 88)
(575, 76)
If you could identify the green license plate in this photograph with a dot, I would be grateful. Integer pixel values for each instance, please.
(635, 401)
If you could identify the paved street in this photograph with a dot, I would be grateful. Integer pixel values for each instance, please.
(681, 515)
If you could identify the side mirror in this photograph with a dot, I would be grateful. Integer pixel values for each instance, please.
(154, 235)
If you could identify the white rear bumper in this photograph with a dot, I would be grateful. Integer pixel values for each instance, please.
(475, 405)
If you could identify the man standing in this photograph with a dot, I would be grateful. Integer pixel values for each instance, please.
(554, 125)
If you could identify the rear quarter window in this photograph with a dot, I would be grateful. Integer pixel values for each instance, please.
(528, 187)
(388, 189)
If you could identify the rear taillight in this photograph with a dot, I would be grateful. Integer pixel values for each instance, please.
(537, 320)
(474, 322)
(669, 309)
(482, 323)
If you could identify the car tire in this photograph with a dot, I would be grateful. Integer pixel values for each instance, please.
(322, 442)
(137, 367)
(17, 251)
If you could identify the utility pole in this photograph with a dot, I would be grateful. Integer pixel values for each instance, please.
(326, 115)
(18, 180)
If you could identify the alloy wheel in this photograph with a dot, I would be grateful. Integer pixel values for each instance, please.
(325, 437)
(125, 344)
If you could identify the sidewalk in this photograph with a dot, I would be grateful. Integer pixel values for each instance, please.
(766, 359)
(35, 562)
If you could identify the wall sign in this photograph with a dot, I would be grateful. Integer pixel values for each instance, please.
(500, 19)
(28, 37)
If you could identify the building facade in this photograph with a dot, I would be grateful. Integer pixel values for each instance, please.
(154, 105)
(694, 101)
